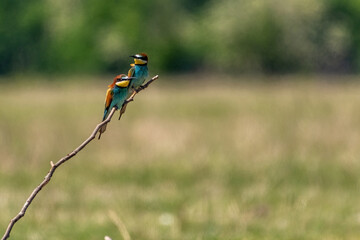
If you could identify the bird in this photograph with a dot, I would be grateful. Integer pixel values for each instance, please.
(116, 95)
(139, 70)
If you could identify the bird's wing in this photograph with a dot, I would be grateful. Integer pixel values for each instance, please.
(109, 97)
(131, 71)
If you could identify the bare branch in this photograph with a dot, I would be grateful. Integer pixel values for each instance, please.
(50, 174)
(63, 160)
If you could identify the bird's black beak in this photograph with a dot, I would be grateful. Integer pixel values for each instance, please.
(133, 56)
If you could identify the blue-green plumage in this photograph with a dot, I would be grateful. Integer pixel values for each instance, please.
(116, 95)
(119, 95)
(140, 73)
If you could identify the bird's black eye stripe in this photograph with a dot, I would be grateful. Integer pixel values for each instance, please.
(141, 57)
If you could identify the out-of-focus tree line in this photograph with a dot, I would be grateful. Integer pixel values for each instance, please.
(269, 36)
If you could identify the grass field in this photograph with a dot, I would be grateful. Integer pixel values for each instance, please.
(196, 160)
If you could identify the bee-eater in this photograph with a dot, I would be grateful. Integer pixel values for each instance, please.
(139, 70)
(116, 95)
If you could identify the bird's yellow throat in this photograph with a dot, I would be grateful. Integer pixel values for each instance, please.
(139, 61)
(124, 83)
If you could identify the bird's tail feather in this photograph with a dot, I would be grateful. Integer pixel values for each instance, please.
(105, 113)
(103, 128)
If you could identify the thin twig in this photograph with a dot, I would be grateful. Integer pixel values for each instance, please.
(50, 174)
(60, 162)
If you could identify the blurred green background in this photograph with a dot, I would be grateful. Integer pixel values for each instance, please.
(233, 161)
(251, 132)
(95, 36)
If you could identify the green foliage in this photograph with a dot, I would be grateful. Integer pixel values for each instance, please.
(231, 35)
(21, 35)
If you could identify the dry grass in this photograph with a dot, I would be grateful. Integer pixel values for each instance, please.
(231, 161)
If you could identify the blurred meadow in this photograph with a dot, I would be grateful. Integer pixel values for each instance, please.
(225, 160)
(251, 132)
